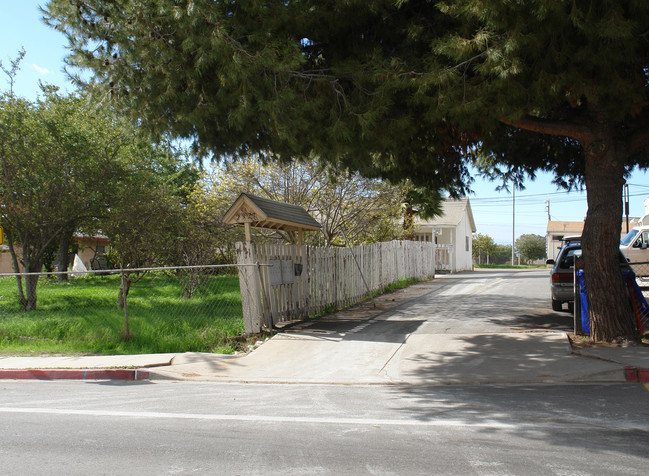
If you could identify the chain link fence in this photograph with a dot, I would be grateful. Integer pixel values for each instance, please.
(641, 270)
(175, 309)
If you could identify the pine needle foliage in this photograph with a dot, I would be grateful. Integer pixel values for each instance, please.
(415, 89)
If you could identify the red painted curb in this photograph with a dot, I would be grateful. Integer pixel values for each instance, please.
(643, 375)
(73, 374)
(631, 374)
(634, 374)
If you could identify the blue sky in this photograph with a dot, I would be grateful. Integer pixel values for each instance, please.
(21, 25)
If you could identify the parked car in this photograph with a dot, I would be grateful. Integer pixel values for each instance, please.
(563, 273)
(635, 246)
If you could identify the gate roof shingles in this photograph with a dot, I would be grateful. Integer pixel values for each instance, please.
(264, 213)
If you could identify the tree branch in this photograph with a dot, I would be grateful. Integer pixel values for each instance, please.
(639, 140)
(557, 128)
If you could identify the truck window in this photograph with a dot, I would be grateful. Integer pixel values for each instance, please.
(642, 239)
(628, 238)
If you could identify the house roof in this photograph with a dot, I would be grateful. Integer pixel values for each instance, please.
(264, 213)
(453, 210)
(577, 227)
(555, 226)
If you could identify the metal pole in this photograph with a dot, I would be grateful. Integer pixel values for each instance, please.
(513, 218)
(626, 205)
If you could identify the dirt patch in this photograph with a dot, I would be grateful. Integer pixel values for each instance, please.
(583, 342)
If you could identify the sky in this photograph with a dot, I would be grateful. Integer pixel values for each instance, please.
(496, 214)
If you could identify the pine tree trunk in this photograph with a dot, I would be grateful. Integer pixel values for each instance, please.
(609, 307)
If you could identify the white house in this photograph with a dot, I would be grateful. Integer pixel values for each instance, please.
(452, 232)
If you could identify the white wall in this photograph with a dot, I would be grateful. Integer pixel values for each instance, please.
(552, 246)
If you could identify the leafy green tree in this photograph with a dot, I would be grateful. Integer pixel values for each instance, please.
(396, 88)
(60, 162)
(531, 247)
(142, 227)
(502, 254)
(483, 247)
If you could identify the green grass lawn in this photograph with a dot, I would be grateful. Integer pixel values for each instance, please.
(82, 317)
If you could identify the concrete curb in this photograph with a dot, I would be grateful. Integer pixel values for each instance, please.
(74, 374)
(632, 374)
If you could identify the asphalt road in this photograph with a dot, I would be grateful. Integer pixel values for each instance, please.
(190, 428)
(236, 428)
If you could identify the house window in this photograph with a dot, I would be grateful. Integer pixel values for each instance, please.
(466, 243)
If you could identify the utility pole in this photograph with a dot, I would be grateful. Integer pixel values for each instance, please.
(626, 205)
(547, 206)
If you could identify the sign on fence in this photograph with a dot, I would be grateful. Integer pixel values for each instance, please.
(281, 271)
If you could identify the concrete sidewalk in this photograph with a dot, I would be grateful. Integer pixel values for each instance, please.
(535, 357)
(301, 357)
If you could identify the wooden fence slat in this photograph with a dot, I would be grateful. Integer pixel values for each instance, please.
(330, 276)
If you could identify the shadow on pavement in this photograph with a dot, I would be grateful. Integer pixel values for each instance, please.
(366, 331)
(591, 419)
(487, 358)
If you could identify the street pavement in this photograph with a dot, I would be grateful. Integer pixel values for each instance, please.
(470, 328)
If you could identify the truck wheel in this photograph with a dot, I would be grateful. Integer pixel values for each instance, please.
(557, 305)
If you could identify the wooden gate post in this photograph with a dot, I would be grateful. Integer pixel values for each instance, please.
(250, 287)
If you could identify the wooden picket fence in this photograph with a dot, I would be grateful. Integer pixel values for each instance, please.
(291, 282)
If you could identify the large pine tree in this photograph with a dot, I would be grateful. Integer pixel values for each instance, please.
(396, 88)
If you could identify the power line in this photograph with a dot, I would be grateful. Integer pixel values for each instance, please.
(506, 200)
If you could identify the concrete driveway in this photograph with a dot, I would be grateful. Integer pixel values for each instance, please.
(480, 327)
